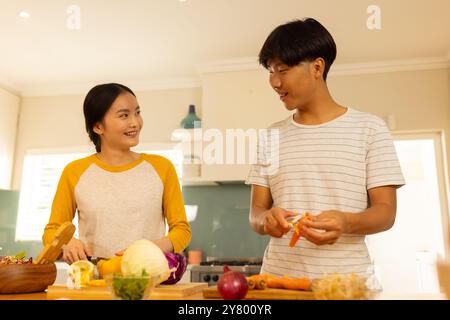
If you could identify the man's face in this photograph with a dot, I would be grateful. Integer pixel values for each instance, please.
(295, 85)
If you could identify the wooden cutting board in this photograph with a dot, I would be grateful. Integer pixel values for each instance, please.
(265, 294)
(102, 293)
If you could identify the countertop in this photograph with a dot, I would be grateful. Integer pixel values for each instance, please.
(199, 296)
(43, 296)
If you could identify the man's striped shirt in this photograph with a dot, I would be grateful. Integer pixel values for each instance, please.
(313, 168)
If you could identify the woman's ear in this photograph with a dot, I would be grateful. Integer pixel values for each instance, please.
(98, 128)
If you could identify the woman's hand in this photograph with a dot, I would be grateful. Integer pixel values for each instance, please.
(120, 252)
(275, 223)
(331, 224)
(75, 250)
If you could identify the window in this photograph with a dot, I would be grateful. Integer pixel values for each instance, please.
(419, 234)
(40, 176)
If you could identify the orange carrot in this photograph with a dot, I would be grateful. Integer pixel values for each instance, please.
(261, 284)
(257, 281)
(295, 236)
(251, 283)
(290, 283)
(263, 281)
(298, 230)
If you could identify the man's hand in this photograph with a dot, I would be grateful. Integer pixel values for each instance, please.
(330, 224)
(275, 223)
(380, 216)
(75, 250)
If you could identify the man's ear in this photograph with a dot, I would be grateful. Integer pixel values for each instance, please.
(318, 66)
(98, 128)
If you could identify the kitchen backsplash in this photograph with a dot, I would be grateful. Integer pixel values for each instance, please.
(221, 226)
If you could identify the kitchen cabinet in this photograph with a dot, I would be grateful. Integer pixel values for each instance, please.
(9, 110)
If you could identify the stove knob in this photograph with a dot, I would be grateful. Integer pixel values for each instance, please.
(215, 278)
(206, 278)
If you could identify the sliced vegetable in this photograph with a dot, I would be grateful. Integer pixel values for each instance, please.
(178, 264)
(341, 287)
(20, 255)
(127, 288)
(19, 258)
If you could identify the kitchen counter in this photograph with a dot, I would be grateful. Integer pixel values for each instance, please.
(199, 296)
(43, 296)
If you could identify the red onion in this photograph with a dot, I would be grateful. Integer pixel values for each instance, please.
(232, 285)
(177, 261)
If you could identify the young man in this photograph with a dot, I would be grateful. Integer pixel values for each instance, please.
(334, 162)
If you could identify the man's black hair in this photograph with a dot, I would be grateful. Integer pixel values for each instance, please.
(298, 41)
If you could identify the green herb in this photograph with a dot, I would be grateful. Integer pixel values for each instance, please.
(20, 255)
(132, 288)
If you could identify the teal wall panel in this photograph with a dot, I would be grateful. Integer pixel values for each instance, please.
(9, 203)
(221, 227)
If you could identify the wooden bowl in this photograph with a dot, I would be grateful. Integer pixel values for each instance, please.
(26, 278)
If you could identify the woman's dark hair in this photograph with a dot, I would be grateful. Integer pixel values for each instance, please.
(298, 41)
(97, 102)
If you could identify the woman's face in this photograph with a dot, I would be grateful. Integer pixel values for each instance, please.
(121, 124)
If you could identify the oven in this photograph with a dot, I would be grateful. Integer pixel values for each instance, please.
(209, 271)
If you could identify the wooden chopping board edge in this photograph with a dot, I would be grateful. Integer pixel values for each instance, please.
(265, 294)
(102, 293)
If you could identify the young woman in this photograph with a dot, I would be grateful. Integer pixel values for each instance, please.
(120, 196)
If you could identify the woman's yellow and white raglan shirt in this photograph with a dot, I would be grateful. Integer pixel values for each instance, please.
(118, 205)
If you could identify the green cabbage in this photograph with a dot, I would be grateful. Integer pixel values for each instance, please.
(144, 255)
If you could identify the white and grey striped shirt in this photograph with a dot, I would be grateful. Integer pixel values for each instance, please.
(324, 167)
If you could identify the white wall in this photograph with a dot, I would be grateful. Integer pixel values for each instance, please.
(9, 112)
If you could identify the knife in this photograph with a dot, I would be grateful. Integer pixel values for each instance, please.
(95, 259)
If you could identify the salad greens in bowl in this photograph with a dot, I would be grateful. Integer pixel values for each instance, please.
(131, 287)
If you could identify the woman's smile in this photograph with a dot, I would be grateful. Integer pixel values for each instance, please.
(132, 134)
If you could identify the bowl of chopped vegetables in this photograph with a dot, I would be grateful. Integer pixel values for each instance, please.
(18, 274)
(341, 287)
(131, 287)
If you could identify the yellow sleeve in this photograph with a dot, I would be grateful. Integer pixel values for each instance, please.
(173, 205)
(64, 204)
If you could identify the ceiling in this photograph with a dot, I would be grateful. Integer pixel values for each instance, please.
(151, 41)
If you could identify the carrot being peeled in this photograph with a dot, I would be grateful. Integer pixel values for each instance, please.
(295, 236)
(298, 230)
